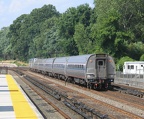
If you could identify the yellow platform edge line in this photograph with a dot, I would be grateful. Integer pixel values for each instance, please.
(21, 107)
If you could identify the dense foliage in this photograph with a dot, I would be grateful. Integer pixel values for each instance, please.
(115, 27)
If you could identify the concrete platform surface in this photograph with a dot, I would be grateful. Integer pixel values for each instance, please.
(14, 104)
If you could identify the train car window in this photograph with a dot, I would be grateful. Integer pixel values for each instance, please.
(100, 63)
(132, 66)
(128, 66)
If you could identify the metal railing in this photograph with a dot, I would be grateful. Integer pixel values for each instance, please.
(134, 80)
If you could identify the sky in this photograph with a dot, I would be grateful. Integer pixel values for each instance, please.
(12, 9)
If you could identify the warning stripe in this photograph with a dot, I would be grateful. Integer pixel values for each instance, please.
(21, 105)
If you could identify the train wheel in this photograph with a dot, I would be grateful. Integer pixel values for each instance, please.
(95, 86)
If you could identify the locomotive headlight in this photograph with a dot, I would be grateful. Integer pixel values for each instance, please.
(90, 75)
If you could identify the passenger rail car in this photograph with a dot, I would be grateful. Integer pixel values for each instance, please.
(92, 70)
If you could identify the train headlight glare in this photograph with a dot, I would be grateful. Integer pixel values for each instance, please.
(90, 76)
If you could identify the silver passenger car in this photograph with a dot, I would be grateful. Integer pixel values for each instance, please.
(76, 67)
(59, 67)
(48, 68)
(36, 64)
(92, 70)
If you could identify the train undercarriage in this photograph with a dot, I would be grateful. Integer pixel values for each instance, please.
(97, 84)
(91, 84)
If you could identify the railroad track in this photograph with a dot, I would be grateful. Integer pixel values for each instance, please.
(80, 100)
(128, 99)
(43, 107)
(62, 96)
(129, 90)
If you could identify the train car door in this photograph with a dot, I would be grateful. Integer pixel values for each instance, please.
(101, 68)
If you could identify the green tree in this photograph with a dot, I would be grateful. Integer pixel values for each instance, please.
(135, 50)
(50, 34)
(142, 58)
(69, 31)
(5, 50)
(27, 32)
(84, 13)
(119, 23)
(81, 37)
(66, 31)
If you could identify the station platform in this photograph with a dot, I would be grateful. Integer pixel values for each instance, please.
(14, 104)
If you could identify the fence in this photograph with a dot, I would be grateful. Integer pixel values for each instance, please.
(134, 80)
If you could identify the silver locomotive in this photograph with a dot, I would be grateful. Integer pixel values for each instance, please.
(93, 70)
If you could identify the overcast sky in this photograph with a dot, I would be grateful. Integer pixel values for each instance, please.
(11, 9)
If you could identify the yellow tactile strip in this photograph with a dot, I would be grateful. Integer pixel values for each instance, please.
(21, 106)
